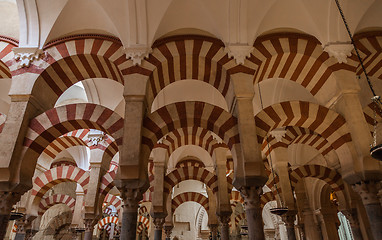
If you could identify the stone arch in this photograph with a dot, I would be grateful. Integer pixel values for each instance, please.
(189, 197)
(6, 56)
(370, 46)
(144, 223)
(189, 162)
(189, 57)
(297, 57)
(62, 143)
(183, 114)
(329, 176)
(55, 122)
(188, 173)
(76, 58)
(58, 222)
(323, 121)
(54, 176)
(107, 220)
(142, 210)
(294, 135)
(52, 200)
(368, 112)
(190, 136)
(113, 200)
(266, 197)
(238, 218)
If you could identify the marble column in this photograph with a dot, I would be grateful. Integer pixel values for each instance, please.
(158, 226)
(131, 198)
(168, 231)
(253, 212)
(352, 216)
(214, 231)
(369, 195)
(329, 223)
(288, 219)
(224, 225)
(89, 228)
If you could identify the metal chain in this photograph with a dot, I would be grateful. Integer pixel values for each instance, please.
(270, 157)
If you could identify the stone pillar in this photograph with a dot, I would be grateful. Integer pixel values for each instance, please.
(158, 226)
(168, 231)
(369, 195)
(288, 219)
(89, 228)
(253, 212)
(131, 198)
(7, 200)
(214, 231)
(352, 216)
(224, 225)
(329, 223)
(77, 221)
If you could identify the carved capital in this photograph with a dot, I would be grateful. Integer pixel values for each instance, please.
(7, 200)
(224, 220)
(289, 218)
(131, 198)
(137, 53)
(25, 56)
(238, 52)
(168, 230)
(213, 228)
(251, 196)
(158, 223)
(89, 225)
(368, 192)
(341, 51)
(352, 217)
(278, 133)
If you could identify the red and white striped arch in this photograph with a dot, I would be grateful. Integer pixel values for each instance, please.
(62, 143)
(188, 173)
(107, 220)
(330, 176)
(190, 136)
(143, 222)
(55, 122)
(111, 199)
(186, 114)
(77, 58)
(297, 57)
(323, 121)
(54, 176)
(295, 135)
(189, 163)
(189, 197)
(6, 56)
(238, 218)
(50, 201)
(142, 210)
(107, 183)
(190, 57)
(266, 197)
(370, 48)
(236, 197)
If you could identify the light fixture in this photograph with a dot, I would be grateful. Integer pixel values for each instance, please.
(375, 150)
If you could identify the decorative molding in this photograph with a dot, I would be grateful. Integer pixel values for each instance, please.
(339, 50)
(137, 53)
(239, 52)
(278, 133)
(25, 56)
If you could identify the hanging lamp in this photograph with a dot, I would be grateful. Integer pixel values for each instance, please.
(282, 209)
(375, 150)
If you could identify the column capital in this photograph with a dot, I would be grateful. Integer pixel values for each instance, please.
(168, 230)
(131, 198)
(7, 200)
(289, 218)
(158, 223)
(368, 190)
(251, 195)
(224, 219)
(352, 216)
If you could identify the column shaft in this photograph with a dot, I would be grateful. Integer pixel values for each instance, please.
(253, 212)
(288, 219)
(368, 192)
